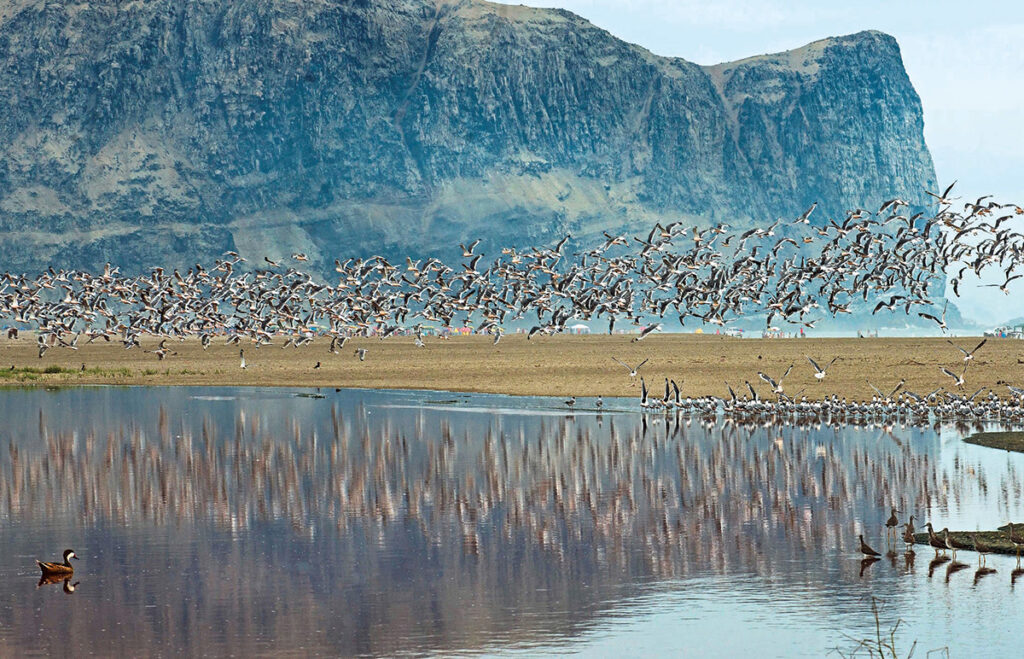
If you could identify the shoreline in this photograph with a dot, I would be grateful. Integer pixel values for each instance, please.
(562, 365)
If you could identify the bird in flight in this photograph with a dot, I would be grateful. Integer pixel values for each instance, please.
(776, 386)
(645, 331)
(819, 372)
(958, 379)
(633, 370)
(941, 322)
(891, 393)
(968, 356)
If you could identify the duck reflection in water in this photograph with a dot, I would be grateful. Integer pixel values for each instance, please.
(65, 579)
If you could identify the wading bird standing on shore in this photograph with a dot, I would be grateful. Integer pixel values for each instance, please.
(865, 549)
(908, 535)
(934, 540)
(1016, 538)
(891, 524)
(982, 548)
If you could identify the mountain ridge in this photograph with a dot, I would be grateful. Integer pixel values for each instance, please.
(166, 132)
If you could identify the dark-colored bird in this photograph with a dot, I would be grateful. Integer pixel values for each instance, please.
(865, 549)
(892, 523)
(59, 568)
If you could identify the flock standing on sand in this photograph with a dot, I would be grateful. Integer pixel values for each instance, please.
(896, 406)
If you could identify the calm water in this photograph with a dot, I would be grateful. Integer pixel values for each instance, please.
(248, 522)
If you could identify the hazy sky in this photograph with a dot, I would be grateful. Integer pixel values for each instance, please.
(966, 60)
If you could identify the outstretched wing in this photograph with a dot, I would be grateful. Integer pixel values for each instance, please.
(767, 378)
(814, 364)
(897, 388)
(786, 373)
(959, 348)
(983, 342)
(641, 364)
(949, 373)
(880, 394)
(623, 363)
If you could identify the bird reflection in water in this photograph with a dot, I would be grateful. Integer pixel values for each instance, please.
(935, 563)
(676, 497)
(982, 572)
(865, 563)
(64, 579)
(954, 567)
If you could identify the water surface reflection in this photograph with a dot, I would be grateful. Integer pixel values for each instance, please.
(255, 522)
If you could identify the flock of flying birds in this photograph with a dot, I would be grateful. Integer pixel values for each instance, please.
(795, 271)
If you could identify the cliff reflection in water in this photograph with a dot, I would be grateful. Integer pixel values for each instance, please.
(360, 528)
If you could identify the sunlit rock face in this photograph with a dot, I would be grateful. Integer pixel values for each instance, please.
(171, 130)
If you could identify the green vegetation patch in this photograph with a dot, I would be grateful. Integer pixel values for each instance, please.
(1006, 441)
(32, 373)
(998, 541)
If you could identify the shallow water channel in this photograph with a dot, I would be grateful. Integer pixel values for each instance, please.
(239, 521)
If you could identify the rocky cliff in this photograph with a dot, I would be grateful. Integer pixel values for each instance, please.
(167, 131)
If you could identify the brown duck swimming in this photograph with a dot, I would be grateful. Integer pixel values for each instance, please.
(59, 568)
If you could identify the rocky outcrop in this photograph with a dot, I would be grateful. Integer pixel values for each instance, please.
(171, 130)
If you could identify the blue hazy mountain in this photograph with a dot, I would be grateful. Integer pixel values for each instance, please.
(168, 131)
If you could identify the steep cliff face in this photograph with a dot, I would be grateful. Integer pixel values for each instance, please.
(170, 130)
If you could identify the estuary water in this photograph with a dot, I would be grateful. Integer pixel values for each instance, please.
(247, 522)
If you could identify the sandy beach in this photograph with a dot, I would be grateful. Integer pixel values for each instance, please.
(555, 365)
